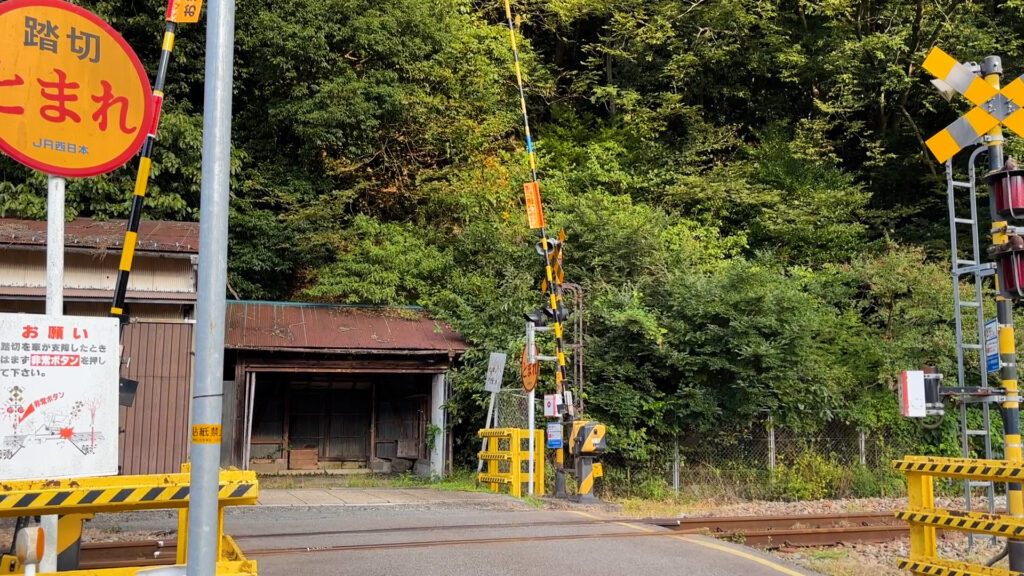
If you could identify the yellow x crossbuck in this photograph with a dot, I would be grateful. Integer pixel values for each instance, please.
(992, 105)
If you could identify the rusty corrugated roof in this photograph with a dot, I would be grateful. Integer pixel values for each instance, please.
(39, 293)
(314, 327)
(154, 235)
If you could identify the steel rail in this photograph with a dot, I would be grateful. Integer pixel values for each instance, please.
(758, 531)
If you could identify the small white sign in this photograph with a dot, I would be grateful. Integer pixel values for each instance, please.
(992, 346)
(554, 436)
(58, 396)
(495, 370)
(551, 403)
(911, 394)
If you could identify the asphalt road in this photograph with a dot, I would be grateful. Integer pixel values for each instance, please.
(513, 542)
(412, 535)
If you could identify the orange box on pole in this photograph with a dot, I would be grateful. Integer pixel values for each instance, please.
(184, 11)
(534, 211)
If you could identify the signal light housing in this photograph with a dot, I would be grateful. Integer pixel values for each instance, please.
(538, 317)
(559, 314)
(1007, 193)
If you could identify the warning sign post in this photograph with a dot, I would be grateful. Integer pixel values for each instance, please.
(58, 396)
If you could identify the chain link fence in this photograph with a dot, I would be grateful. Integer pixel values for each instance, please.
(510, 411)
(510, 408)
(763, 459)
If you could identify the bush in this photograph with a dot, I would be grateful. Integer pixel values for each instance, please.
(623, 483)
(809, 477)
(867, 482)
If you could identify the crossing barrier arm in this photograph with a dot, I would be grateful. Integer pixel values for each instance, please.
(117, 493)
(77, 498)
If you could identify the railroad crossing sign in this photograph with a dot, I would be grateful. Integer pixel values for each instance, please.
(74, 98)
(992, 105)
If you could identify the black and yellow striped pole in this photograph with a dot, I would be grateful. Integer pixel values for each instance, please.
(554, 289)
(177, 11)
(991, 70)
(995, 107)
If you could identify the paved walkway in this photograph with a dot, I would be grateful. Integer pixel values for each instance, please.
(371, 496)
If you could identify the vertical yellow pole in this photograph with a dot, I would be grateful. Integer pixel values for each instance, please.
(538, 459)
(182, 549)
(220, 533)
(493, 446)
(516, 469)
(921, 496)
(1011, 418)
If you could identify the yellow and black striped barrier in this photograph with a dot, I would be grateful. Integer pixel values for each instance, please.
(76, 499)
(977, 522)
(925, 519)
(962, 468)
(117, 493)
(507, 457)
(939, 567)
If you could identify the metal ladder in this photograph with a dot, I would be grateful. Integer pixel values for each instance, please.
(974, 271)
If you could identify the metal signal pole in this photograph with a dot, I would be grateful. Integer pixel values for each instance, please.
(995, 106)
(54, 307)
(208, 391)
(554, 287)
(991, 70)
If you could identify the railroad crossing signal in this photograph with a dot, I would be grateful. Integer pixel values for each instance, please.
(992, 105)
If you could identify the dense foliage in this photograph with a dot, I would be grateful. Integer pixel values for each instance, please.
(749, 206)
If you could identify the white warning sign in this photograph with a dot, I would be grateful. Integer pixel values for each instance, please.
(58, 396)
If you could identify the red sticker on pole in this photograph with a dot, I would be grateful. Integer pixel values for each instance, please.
(534, 211)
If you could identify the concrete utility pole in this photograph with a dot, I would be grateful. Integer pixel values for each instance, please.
(208, 390)
(991, 70)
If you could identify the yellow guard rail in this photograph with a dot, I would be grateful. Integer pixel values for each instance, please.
(508, 448)
(924, 518)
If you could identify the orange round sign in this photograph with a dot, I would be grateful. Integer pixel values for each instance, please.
(74, 98)
(530, 372)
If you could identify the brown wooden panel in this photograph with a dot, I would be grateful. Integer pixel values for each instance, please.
(155, 438)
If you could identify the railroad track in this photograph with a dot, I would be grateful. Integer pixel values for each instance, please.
(794, 530)
(757, 531)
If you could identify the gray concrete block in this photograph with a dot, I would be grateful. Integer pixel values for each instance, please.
(400, 465)
(421, 468)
